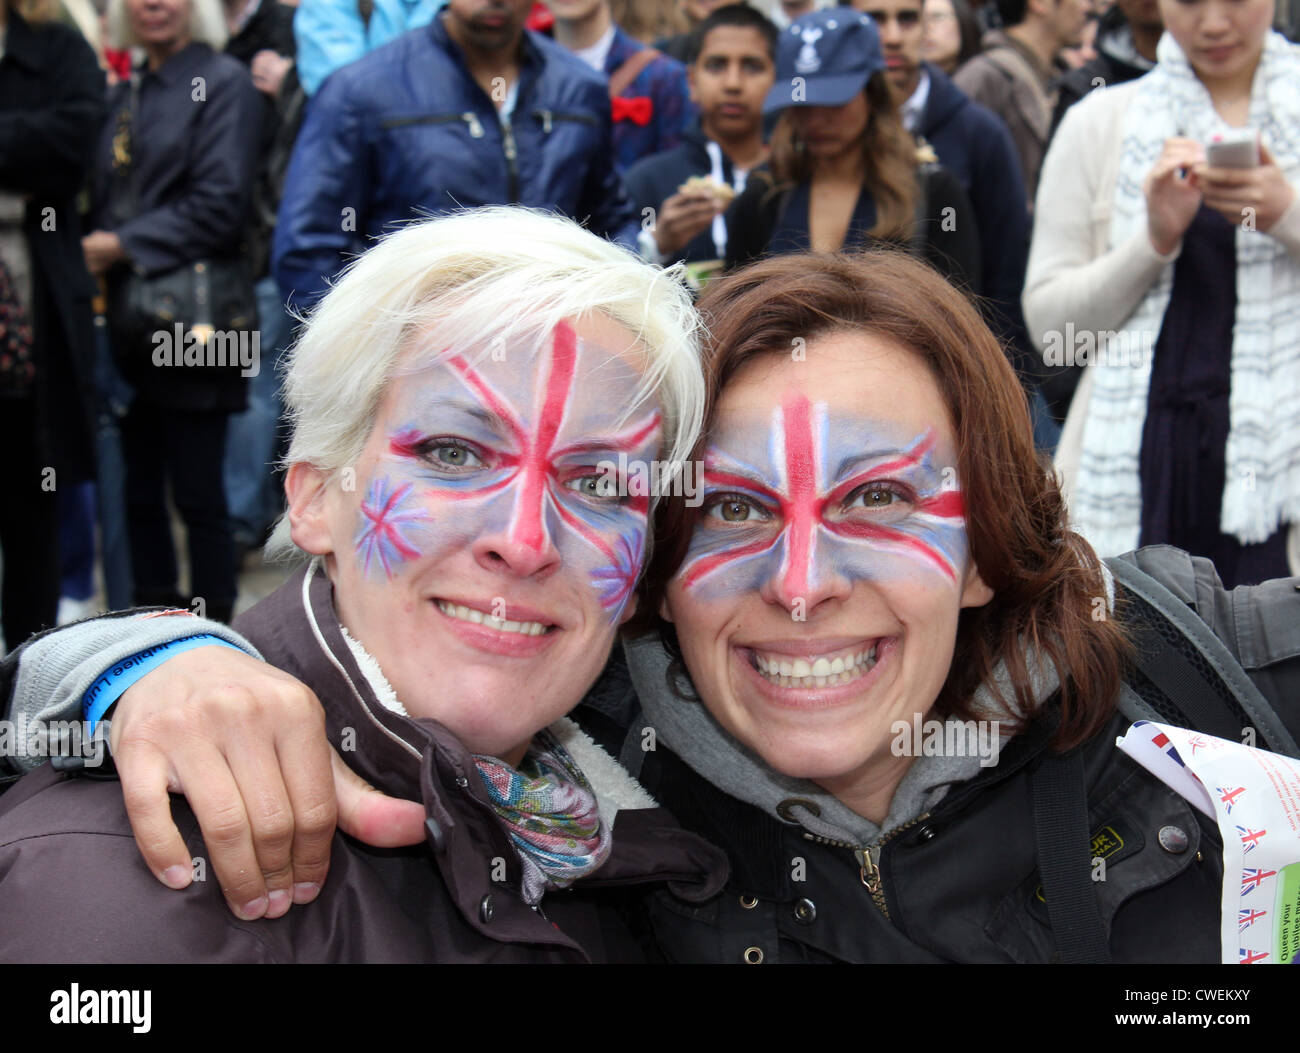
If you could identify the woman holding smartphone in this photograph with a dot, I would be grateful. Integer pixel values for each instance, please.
(1178, 277)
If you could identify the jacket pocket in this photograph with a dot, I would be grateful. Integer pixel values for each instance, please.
(1144, 837)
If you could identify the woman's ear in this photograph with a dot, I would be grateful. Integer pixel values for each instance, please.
(974, 593)
(306, 488)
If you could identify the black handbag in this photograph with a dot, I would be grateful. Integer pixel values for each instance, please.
(203, 296)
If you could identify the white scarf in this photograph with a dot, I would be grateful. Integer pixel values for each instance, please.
(1262, 490)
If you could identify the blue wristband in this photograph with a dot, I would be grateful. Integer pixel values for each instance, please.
(108, 688)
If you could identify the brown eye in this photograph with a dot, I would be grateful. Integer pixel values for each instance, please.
(735, 511)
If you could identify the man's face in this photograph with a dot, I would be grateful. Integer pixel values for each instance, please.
(901, 33)
(730, 80)
(487, 25)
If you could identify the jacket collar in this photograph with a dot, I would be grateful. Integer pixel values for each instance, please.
(622, 49)
(945, 98)
(21, 44)
(180, 66)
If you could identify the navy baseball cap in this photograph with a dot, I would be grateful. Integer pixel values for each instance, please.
(824, 59)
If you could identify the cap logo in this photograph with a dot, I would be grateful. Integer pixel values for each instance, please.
(808, 61)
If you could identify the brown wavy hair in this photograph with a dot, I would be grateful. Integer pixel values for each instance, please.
(1047, 581)
(888, 158)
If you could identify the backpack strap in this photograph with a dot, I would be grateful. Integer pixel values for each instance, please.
(621, 79)
(1062, 837)
(1193, 668)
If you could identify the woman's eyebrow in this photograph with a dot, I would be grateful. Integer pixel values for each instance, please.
(889, 459)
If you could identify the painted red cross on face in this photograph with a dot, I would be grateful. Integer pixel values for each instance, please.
(798, 483)
(546, 439)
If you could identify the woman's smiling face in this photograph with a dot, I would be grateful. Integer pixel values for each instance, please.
(479, 554)
(819, 598)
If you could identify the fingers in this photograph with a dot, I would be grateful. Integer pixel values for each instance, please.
(307, 762)
(256, 774)
(145, 779)
(373, 817)
(215, 799)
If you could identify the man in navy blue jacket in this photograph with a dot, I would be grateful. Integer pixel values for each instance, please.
(469, 110)
(974, 145)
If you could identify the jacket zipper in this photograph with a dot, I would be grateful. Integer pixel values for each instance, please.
(549, 117)
(470, 119)
(869, 859)
(512, 158)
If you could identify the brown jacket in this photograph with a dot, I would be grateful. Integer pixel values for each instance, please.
(1012, 81)
(73, 887)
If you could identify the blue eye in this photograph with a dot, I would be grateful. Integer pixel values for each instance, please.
(451, 454)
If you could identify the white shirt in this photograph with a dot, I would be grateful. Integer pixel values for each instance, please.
(914, 107)
(595, 55)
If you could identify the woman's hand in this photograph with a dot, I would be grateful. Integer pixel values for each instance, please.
(268, 69)
(102, 249)
(1173, 194)
(245, 743)
(1259, 195)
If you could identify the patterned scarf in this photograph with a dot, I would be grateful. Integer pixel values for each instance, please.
(550, 811)
(1262, 489)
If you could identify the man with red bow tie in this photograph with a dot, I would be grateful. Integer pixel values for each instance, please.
(649, 97)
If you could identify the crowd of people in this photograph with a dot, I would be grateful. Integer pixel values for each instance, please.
(997, 235)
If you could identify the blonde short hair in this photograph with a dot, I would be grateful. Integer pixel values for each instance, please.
(207, 25)
(483, 277)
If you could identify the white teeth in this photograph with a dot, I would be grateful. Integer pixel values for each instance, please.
(821, 672)
(468, 614)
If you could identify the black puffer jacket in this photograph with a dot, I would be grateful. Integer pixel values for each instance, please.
(66, 840)
(961, 882)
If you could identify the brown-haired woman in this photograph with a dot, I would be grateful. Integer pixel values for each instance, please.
(881, 655)
(844, 172)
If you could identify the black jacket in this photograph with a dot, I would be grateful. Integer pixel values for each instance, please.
(65, 839)
(51, 110)
(961, 883)
(187, 197)
(975, 146)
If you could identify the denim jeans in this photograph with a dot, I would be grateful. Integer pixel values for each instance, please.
(252, 495)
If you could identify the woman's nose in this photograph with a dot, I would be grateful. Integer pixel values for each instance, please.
(525, 543)
(806, 576)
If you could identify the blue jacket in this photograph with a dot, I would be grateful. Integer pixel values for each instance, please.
(406, 132)
(331, 33)
(975, 146)
(663, 82)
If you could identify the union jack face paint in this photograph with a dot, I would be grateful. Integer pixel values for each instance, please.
(508, 449)
(815, 495)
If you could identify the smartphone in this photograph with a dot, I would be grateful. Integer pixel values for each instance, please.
(1238, 148)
